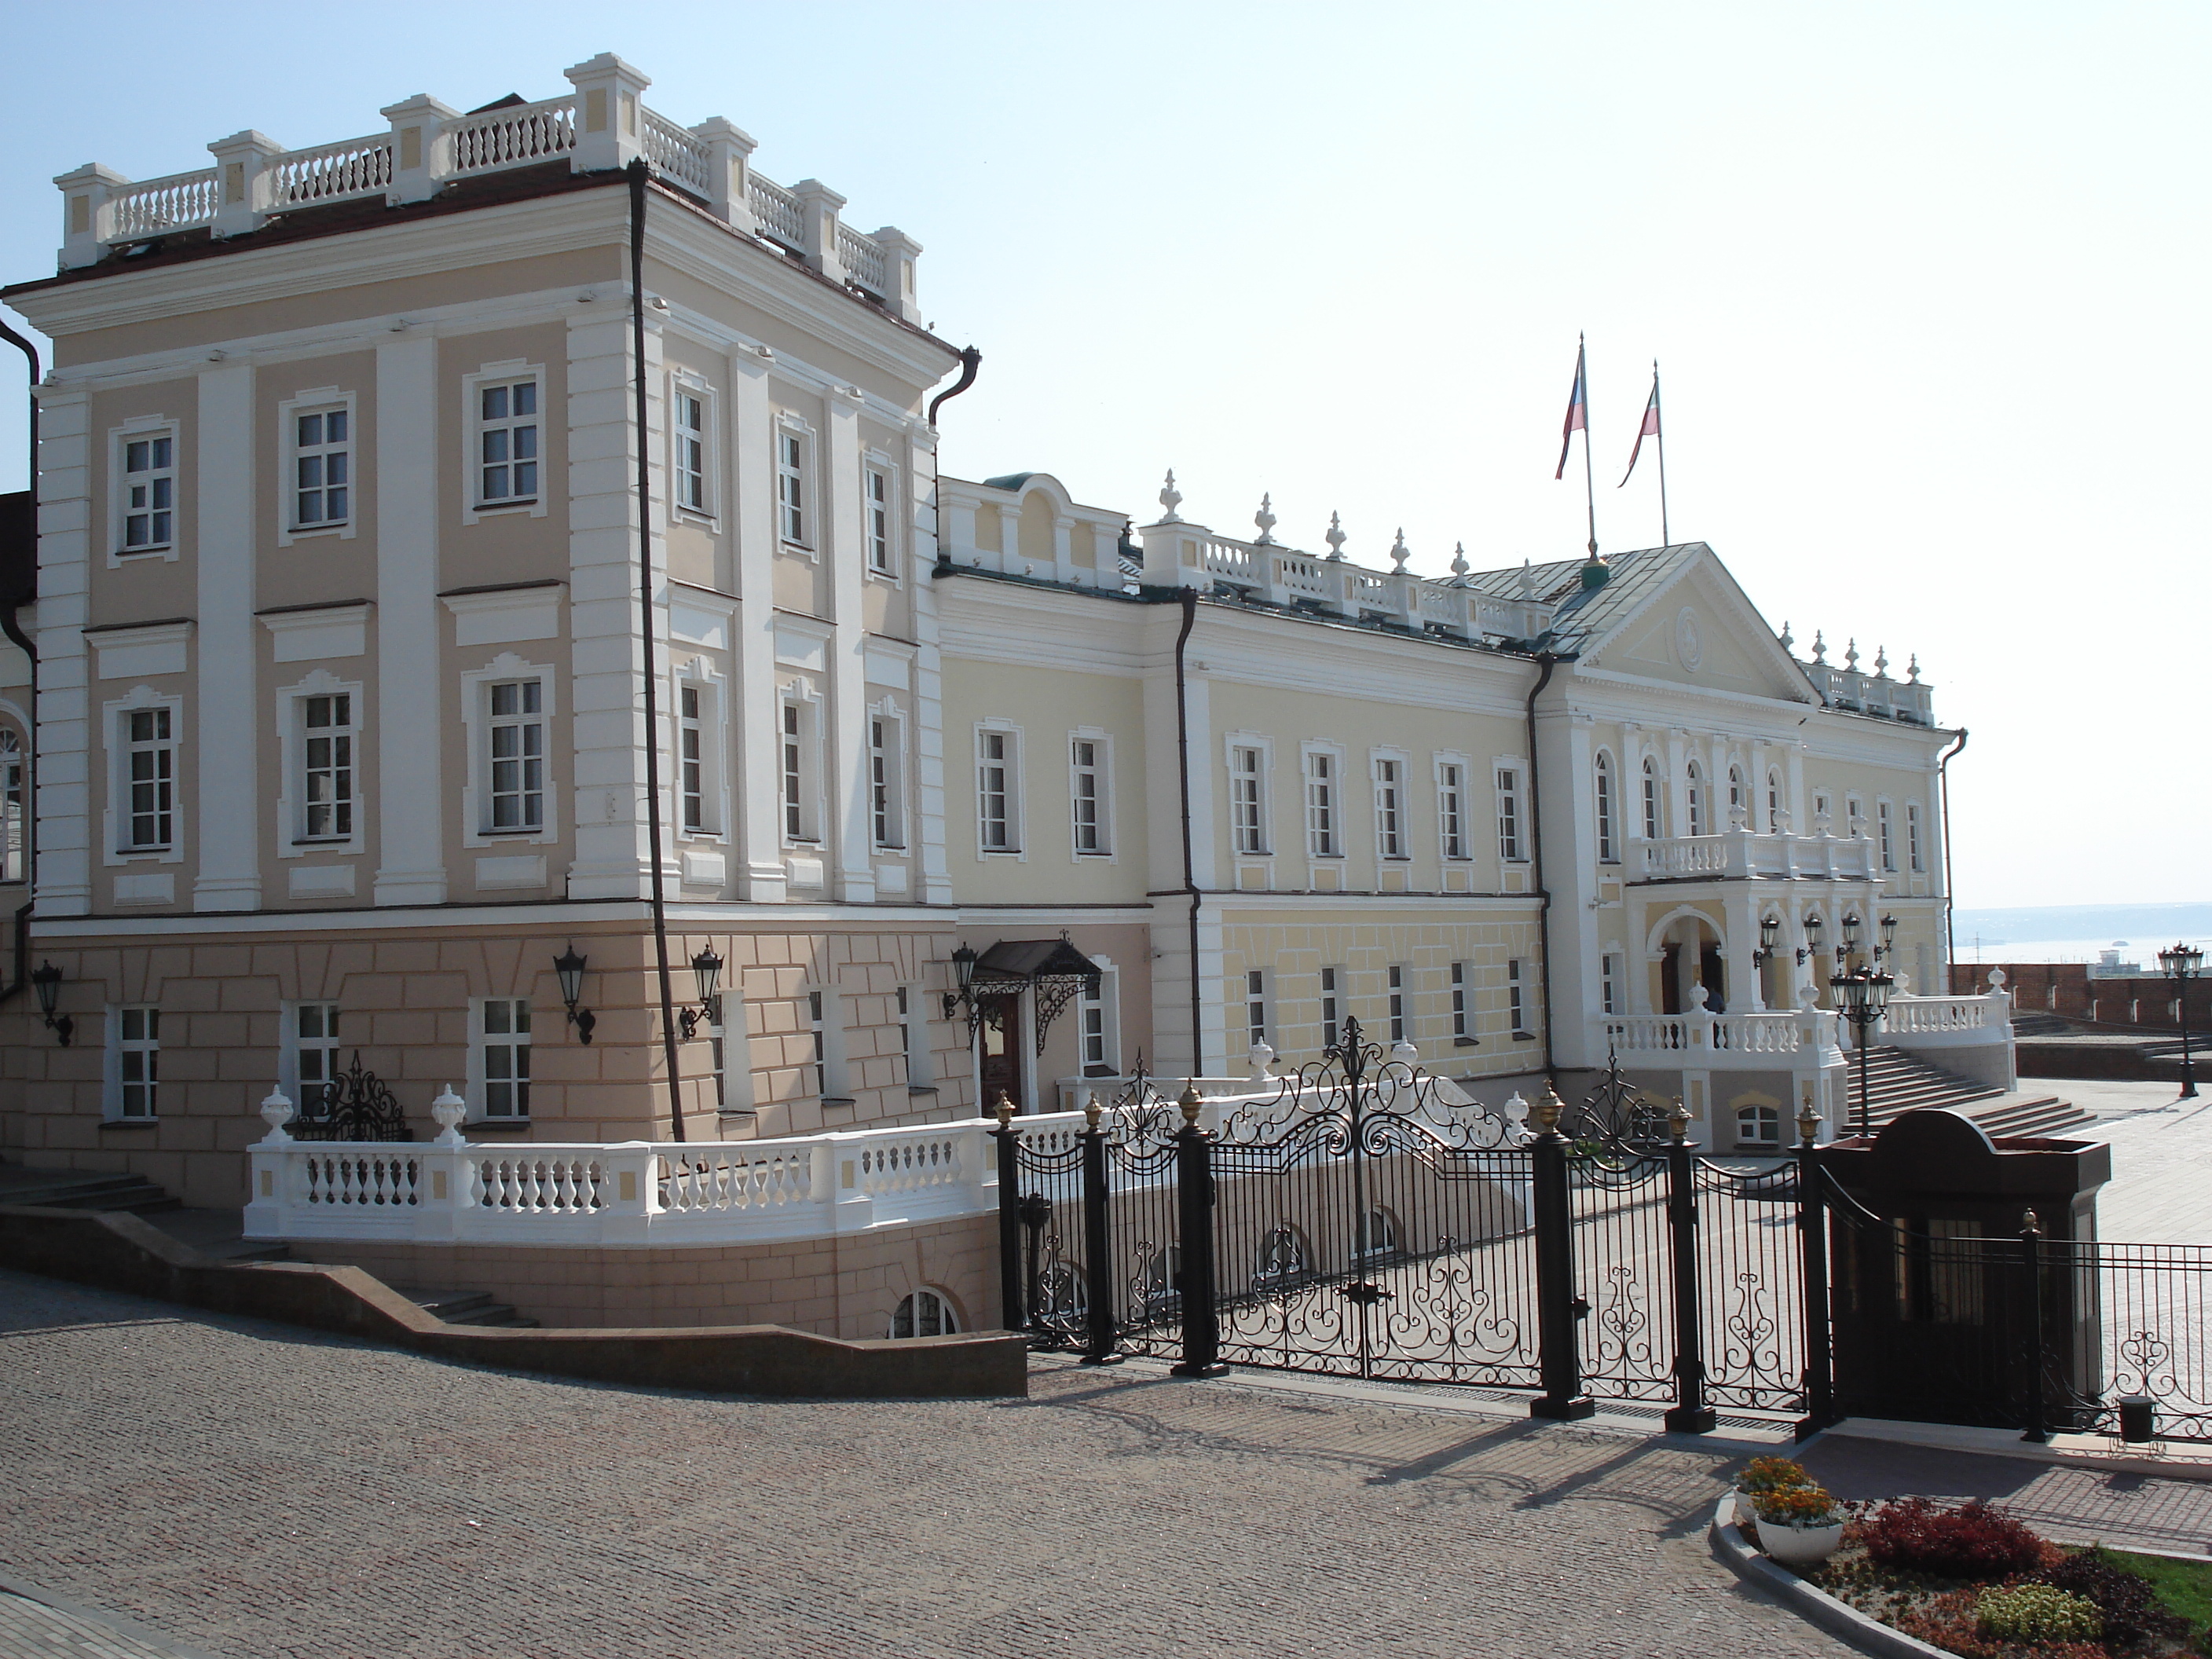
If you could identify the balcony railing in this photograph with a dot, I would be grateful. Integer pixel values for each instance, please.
(1739, 854)
(1807, 1039)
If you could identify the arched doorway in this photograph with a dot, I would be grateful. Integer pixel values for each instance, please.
(1689, 949)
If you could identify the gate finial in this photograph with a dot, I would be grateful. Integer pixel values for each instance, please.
(1546, 1111)
(1090, 1109)
(1189, 1102)
(1005, 1109)
(1808, 1124)
(1679, 1120)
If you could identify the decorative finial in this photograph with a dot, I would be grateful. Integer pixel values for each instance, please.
(1809, 1125)
(1171, 499)
(1679, 1120)
(1820, 647)
(1400, 552)
(1881, 661)
(277, 1112)
(2031, 1223)
(1546, 1112)
(1004, 1110)
(1851, 655)
(1786, 641)
(1265, 518)
(1912, 670)
(1459, 564)
(1336, 537)
(1189, 1101)
(1528, 579)
(1090, 1110)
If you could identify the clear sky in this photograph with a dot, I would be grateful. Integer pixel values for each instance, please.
(1927, 283)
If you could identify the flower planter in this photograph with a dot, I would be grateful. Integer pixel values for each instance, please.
(1800, 1547)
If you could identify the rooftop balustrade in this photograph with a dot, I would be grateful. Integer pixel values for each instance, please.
(601, 124)
(1855, 692)
(1740, 854)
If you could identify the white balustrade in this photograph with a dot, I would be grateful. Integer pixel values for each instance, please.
(1724, 1042)
(863, 260)
(1913, 1016)
(778, 210)
(521, 133)
(179, 202)
(1739, 854)
(333, 172)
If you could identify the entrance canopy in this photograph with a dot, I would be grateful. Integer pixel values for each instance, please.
(1054, 969)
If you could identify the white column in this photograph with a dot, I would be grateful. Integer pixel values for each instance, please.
(928, 739)
(752, 466)
(67, 526)
(1566, 756)
(1740, 919)
(228, 725)
(847, 746)
(414, 710)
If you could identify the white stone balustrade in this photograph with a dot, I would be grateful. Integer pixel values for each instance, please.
(1750, 1041)
(600, 126)
(1971, 1034)
(1739, 854)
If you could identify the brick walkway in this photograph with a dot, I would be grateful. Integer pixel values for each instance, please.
(264, 1492)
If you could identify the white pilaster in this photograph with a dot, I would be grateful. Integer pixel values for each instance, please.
(67, 524)
(610, 113)
(414, 709)
(929, 672)
(229, 804)
(244, 181)
(752, 467)
(848, 745)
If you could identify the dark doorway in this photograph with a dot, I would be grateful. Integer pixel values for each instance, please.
(1000, 1028)
(1716, 981)
(1670, 979)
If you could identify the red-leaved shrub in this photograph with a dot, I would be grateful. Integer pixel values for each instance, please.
(1971, 1541)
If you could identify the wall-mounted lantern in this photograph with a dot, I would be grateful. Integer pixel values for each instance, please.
(569, 968)
(46, 981)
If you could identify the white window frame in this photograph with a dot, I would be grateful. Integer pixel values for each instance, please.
(1884, 831)
(803, 697)
(318, 400)
(1855, 815)
(1776, 795)
(144, 429)
(475, 789)
(1260, 841)
(821, 1009)
(887, 768)
(1766, 1126)
(116, 817)
(1517, 997)
(693, 450)
(1466, 1023)
(481, 1039)
(116, 1094)
(1257, 1008)
(473, 427)
(796, 487)
(1916, 850)
(1098, 1023)
(1101, 770)
(1010, 789)
(1697, 800)
(1397, 992)
(1605, 796)
(14, 807)
(911, 1005)
(1385, 770)
(1453, 773)
(1511, 778)
(880, 526)
(1651, 798)
(924, 1312)
(293, 839)
(1608, 977)
(1331, 977)
(293, 1045)
(1322, 799)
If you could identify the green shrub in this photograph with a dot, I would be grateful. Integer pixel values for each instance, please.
(2037, 1612)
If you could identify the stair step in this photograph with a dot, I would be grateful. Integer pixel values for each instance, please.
(71, 1190)
(470, 1308)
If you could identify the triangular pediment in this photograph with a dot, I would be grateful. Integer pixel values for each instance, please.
(1698, 628)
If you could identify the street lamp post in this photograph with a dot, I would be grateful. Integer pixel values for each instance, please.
(2181, 963)
(1861, 995)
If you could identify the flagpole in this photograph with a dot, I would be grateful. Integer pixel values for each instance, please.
(1589, 484)
(1664, 539)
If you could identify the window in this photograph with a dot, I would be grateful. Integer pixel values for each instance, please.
(790, 486)
(1516, 1008)
(1758, 1126)
(503, 1052)
(326, 793)
(1321, 804)
(1736, 801)
(137, 1061)
(1654, 816)
(819, 1031)
(322, 469)
(1696, 801)
(1913, 852)
(1773, 803)
(1395, 983)
(1100, 1055)
(1854, 814)
(886, 784)
(13, 823)
(1510, 846)
(1255, 1006)
(913, 1036)
(1885, 830)
(798, 813)
(1608, 851)
(875, 513)
(149, 773)
(691, 757)
(313, 1040)
(1389, 829)
(149, 493)
(507, 443)
(690, 412)
(1609, 968)
(1377, 1236)
(1451, 810)
(997, 789)
(515, 751)
(1462, 1004)
(1823, 811)
(1330, 1016)
(1247, 817)
(924, 1313)
(1087, 809)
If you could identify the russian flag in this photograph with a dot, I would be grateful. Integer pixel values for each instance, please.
(1649, 430)
(1578, 412)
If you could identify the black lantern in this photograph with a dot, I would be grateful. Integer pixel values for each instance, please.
(1851, 935)
(1861, 996)
(1813, 928)
(568, 969)
(2180, 963)
(1888, 935)
(46, 981)
(963, 973)
(706, 968)
(1770, 929)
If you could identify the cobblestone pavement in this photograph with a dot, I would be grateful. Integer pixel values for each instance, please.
(38, 1626)
(262, 1491)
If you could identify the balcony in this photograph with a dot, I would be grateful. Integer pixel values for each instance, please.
(1805, 1041)
(1741, 856)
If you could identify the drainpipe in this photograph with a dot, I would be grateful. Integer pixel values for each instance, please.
(637, 177)
(1943, 788)
(1189, 864)
(1536, 839)
(969, 359)
(13, 629)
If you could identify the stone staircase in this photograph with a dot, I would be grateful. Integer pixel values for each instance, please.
(1898, 1082)
(82, 1189)
(468, 1308)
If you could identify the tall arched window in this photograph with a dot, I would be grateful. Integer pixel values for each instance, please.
(1773, 802)
(1607, 851)
(1654, 819)
(1698, 824)
(12, 808)
(1735, 794)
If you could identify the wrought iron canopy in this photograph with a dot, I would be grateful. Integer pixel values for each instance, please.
(1052, 968)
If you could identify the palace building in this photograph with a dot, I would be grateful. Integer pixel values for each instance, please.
(353, 737)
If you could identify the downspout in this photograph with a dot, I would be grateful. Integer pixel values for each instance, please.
(969, 359)
(1943, 788)
(13, 628)
(1536, 839)
(1189, 864)
(637, 177)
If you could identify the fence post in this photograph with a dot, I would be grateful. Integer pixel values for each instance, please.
(1013, 1313)
(1812, 1245)
(1099, 1327)
(2031, 1244)
(1201, 1325)
(1557, 1306)
(1690, 1415)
